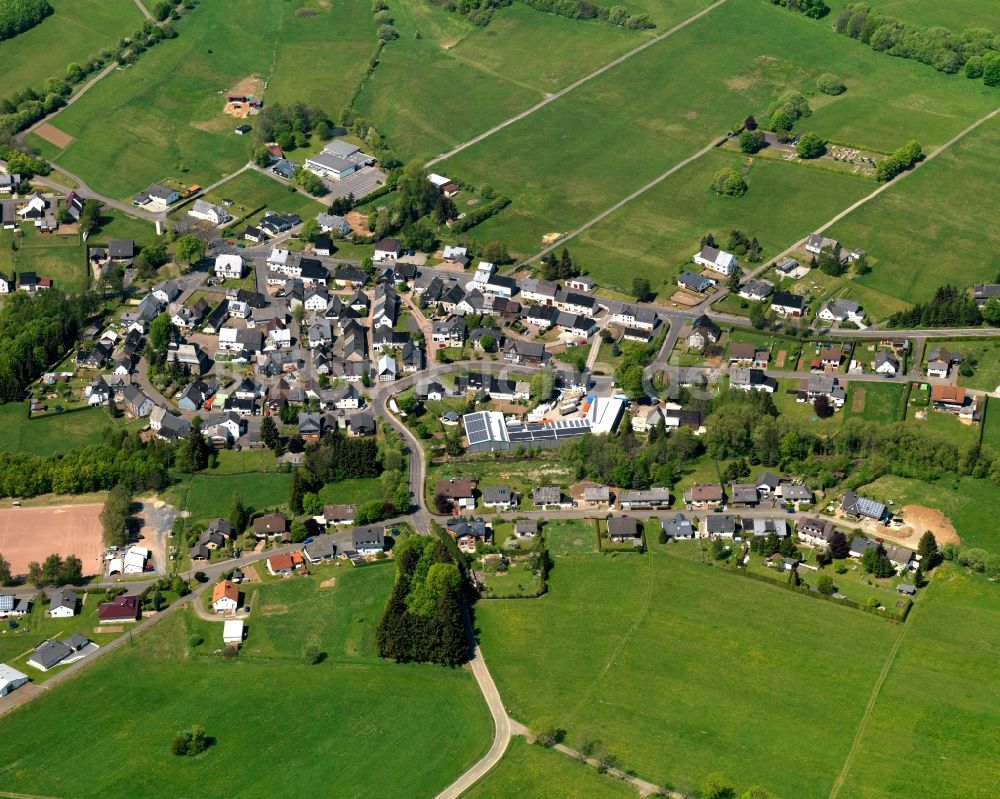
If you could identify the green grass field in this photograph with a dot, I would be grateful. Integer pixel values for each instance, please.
(947, 425)
(61, 258)
(876, 402)
(51, 434)
(941, 693)
(205, 496)
(936, 226)
(355, 491)
(631, 124)
(168, 107)
(74, 33)
(569, 537)
(656, 234)
(532, 772)
(957, 15)
(803, 412)
(352, 725)
(677, 640)
(520, 475)
(969, 503)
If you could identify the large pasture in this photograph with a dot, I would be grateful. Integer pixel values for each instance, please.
(936, 226)
(352, 725)
(76, 31)
(681, 670)
(656, 234)
(583, 152)
(941, 699)
(167, 109)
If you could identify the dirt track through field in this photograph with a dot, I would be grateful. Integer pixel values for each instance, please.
(53, 135)
(28, 534)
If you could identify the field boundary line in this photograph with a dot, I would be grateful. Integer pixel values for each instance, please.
(872, 701)
(574, 85)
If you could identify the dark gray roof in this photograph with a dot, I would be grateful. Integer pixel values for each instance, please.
(48, 653)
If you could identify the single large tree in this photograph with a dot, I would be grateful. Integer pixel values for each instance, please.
(6, 578)
(928, 550)
(114, 516)
(839, 546)
(269, 433)
(190, 249)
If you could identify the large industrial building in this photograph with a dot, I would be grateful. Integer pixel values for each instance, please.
(489, 431)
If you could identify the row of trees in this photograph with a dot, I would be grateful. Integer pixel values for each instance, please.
(480, 12)
(423, 619)
(115, 515)
(17, 16)
(815, 9)
(975, 52)
(901, 159)
(55, 570)
(950, 307)
(122, 458)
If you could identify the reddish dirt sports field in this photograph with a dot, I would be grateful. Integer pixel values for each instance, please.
(28, 534)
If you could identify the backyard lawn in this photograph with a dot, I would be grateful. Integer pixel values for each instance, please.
(61, 258)
(419, 726)
(520, 475)
(873, 402)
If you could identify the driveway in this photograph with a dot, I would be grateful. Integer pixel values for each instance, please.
(157, 520)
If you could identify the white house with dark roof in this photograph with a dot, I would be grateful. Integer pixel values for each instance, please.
(207, 212)
(228, 266)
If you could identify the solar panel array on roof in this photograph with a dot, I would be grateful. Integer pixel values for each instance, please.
(870, 507)
(518, 432)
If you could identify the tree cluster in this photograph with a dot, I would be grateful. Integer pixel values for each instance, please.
(769, 545)
(583, 9)
(131, 47)
(337, 457)
(309, 182)
(55, 570)
(788, 109)
(975, 52)
(875, 562)
(814, 9)
(728, 182)
(829, 83)
(561, 268)
(950, 307)
(423, 619)
(190, 742)
(752, 141)
(35, 331)
(16, 16)
(290, 125)
(901, 159)
(115, 515)
(742, 245)
(810, 146)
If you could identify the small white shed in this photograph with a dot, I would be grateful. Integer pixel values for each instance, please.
(232, 632)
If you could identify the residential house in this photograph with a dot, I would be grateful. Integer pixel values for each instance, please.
(743, 495)
(550, 496)
(573, 303)
(721, 525)
(120, 609)
(450, 331)
(525, 528)
(456, 256)
(982, 293)
(233, 339)
(9, 183)
(636, 316)
(581, 283)
(320, 549)
(761, 527)
(63, 603)
(49, 654)
(678, 528)
(696, 283)
(785, 303)
(368, 540)
(859, 507)
(167, 426)
(596, 496)
(524, 352)
(647, 499)
(822, 386)
(225, 597)
(816, 243)
(13, 607)
(460, 491)
(156, 196)
(902, 558)
(703, 332)
(194, 396)
(362, 424)
(500, 498)
(816, 532)
(270, 525)
(796, 494)
(715, 259)
(886, 363)
(860, 544)
(841, 311)
(704, 495)
(340, 514)
(386, 370)
(954, 399)
(280, 565)
(469, 532)
(207, 212)
(228, 266)
(624, 528)
(543, 292)
(166, 291)
(331, 223)
(387, 250)
(756, 290)
(747, 379)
